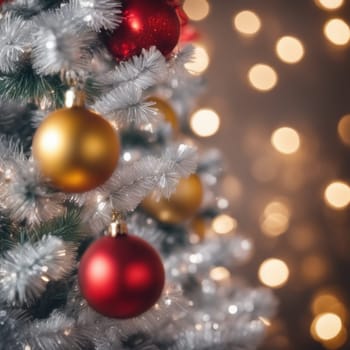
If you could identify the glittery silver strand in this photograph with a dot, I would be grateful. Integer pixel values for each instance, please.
(125, 106)
(59, 44)
(142, 71)
(15, 41)
(26, 269)
(130, 184)
(223, 335)
(58, 332)
(25, 195)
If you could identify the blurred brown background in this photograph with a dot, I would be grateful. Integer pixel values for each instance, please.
(289, 192)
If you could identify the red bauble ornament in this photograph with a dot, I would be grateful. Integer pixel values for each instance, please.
(122, 276)
(145, 24)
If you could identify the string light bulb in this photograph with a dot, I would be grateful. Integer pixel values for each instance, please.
(326, 326)
(337, 32)
(330, 4)
(262, 77)
(247, 22)
(224, 224)
(289, 49)
(275, 219)
(205, 122)
(337, 195)
(196, 10)
(273, 273)
(285, 140)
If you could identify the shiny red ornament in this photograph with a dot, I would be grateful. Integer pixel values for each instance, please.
(122, 276)
(145, 24)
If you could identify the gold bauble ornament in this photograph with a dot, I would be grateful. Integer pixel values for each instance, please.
(181, 205)
(76, 149)
(166, 110)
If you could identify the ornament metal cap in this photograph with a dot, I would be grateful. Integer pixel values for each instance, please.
(117, 226)
(74, 98)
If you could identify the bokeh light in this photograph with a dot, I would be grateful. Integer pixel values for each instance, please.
(285, 140)
(273, 273)
(344, 129)
(338, 341)
(337, 31)
(290, 49)
(275, 219)
(276, 207)
(219, 273)
(224, 224)
(200, 61)
(326, 301)
(196, 10)
(337, 195)
(262, 77)
(247, 22)
(205, 122)
(330, 4)
(326, 326)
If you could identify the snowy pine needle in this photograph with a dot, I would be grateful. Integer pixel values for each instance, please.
(59, 44)
(12, 323)
(58, 332)
(142, 71)
(183, 56)
(26, 196)
(97, 14)
(15, 40)
(26, 269)
(10, 151)
(132, 183)
(125, 106)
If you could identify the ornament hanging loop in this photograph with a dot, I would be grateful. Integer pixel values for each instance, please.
(118, 225)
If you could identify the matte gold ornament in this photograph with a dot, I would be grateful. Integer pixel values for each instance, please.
(182, 204)
(76, 149)
(167, 111)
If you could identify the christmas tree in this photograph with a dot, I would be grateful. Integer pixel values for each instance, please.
(105, 199)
